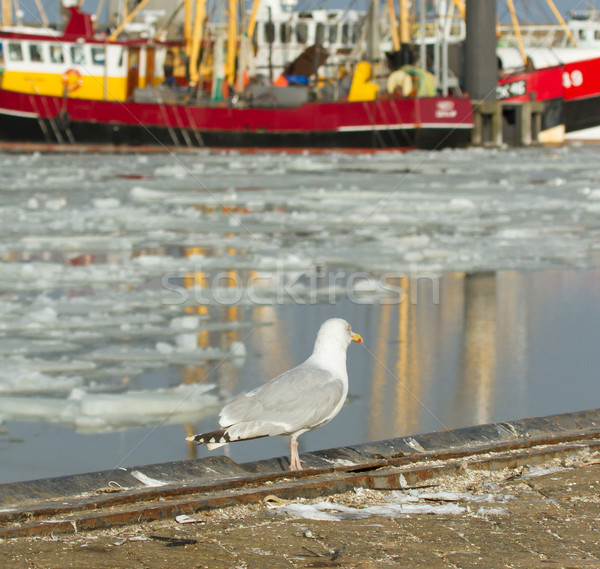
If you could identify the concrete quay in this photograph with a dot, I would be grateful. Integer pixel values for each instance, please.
(515, 494)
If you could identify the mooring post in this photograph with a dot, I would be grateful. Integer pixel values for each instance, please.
(481, 70)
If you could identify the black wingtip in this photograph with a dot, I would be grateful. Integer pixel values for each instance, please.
(214, 437)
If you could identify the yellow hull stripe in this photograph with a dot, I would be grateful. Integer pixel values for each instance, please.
(92, 87)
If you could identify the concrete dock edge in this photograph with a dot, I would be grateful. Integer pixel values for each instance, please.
(160, 491)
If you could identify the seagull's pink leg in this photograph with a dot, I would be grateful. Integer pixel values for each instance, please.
(295, 459)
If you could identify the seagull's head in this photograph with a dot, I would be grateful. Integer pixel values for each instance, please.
(338, 331)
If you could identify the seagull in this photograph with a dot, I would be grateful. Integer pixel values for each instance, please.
(295, 402)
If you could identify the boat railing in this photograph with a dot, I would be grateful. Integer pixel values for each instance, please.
(453, 30)
(534, 35)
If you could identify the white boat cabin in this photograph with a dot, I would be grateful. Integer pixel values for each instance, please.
(75, 64)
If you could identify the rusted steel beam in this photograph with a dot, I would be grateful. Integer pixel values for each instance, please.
(90, 501)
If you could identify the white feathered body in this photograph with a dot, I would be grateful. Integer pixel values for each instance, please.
(299, 400)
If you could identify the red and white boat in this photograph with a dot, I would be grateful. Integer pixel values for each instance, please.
(563, 70)
(571, 92)
(78, 87)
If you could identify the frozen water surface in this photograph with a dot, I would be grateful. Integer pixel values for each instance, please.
(140, 292)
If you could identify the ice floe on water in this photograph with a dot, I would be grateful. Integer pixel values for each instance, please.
(473, 211)
(100, 412)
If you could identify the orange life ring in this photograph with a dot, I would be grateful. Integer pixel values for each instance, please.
(71, 86)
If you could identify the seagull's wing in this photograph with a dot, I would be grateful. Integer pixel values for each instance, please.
(302, 398)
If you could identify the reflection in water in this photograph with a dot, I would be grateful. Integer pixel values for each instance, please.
(513, 326)
(476, 383)
(272, 341)
(439, 364)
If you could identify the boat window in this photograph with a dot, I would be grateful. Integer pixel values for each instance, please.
(345, 33)
(15, 52)
(98, 55)
(35, 52)
(284, 32)
(333, 34)
(597, 35)
(269, 32)
(301, 32)
(77, 55)
(320, 34)
(56, 54)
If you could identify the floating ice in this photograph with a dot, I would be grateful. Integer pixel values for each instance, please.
(145, 194)
(162, 353)
(100, 412)
(24, 346)
(237, 350)
(177, 170)
(21, 379)
(106, 203)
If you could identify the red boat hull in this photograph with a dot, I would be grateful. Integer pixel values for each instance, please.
(571, 92)
(426, 123)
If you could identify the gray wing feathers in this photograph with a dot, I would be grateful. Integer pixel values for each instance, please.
(300, 398)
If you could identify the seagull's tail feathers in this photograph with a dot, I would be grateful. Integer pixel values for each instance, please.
(212, 440)
(239, 432)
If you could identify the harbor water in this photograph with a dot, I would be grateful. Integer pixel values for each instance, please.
(139, 292)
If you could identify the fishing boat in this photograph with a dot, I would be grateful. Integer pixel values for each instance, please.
(556, 64)
(571, 93)
(79, 86)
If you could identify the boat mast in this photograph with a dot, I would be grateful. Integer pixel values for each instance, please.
(126, 20)
(252, 20)
(187, 28)
(218, 66)
(99, 12)
(404, 23)
(561, 21)
(423, 32)
(460, 6)
(515, 22)
(242, 55)
(394, 24)
(197, 34)
(373, 53)
(231, 42)
(40, 8)
(6, 12)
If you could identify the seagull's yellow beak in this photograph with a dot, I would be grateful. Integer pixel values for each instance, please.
(357, 338)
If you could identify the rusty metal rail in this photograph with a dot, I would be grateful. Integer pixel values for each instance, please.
(126, 496)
